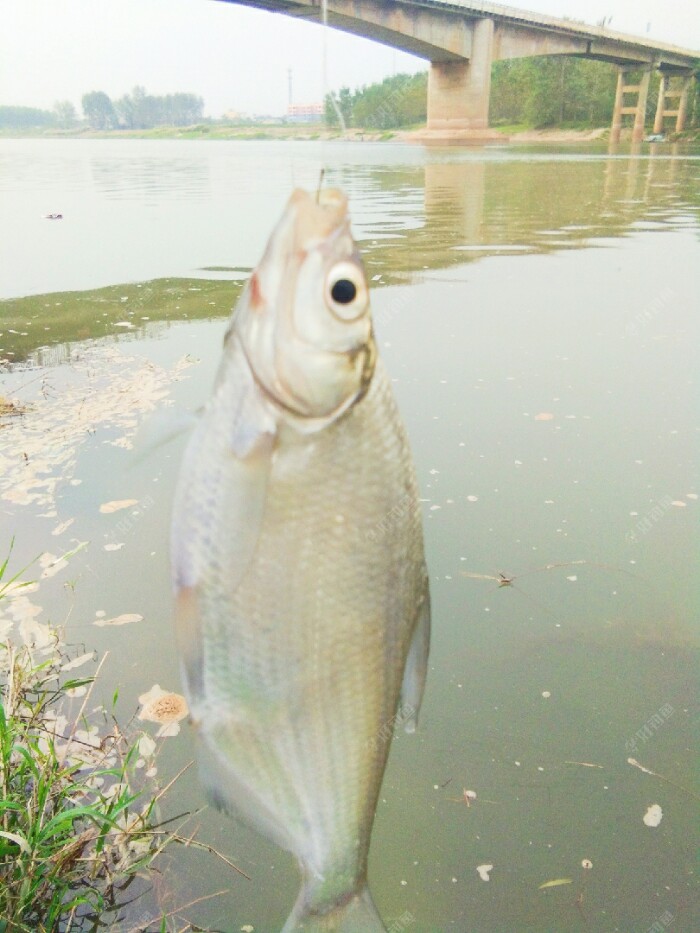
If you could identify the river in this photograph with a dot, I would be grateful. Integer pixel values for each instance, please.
(537, 309)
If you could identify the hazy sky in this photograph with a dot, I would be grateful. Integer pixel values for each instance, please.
(234, 57)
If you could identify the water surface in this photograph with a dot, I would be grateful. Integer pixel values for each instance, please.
(537, 310)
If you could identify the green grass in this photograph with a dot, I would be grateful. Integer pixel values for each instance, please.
(78, 819)
(61, 317)
(73, 830)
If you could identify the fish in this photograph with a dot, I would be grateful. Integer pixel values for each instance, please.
(302, 605)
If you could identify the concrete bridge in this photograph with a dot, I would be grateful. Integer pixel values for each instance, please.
(461, 39)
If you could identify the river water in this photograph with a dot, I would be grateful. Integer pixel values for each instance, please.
(538, 312)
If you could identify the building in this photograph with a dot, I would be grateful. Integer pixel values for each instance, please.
(305, 113)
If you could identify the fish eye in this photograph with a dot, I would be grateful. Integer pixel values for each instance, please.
(343, 291)
(346, 292)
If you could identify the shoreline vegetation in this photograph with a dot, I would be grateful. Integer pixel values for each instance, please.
(516, 133)
(82, 828)
(551, 99)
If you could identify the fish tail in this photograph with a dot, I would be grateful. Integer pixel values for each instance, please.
(356, 914)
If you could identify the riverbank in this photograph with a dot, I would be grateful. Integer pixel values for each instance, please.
(517, 133)
(311, 133)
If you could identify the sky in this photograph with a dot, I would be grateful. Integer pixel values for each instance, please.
(236, 58)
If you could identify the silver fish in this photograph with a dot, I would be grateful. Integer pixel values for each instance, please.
(302, 604)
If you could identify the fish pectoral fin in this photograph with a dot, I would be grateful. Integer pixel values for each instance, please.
(162, 427)
(356, 914)
(416, 669)
(188, 632)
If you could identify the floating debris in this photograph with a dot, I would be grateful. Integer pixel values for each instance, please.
(544, 416)
(103, 390)
(59, 529)
(79, 661)
(555, 882)
(166, 708)
(483, 871)
(8, 408)
(587, 864)
(123, 619)
(117, 505)
(636, 764)
(653, 816)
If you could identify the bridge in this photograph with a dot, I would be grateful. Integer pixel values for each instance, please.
(461, 39)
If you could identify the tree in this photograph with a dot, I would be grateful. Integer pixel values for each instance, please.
(141, 110)
(65, 114)
(99, 111)
(24, 117)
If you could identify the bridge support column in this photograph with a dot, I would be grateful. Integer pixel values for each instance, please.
(640, 115)
(458, 91)
(666, 93)
(661, 104)
(683, 103)
(638, 110)
(617, 109)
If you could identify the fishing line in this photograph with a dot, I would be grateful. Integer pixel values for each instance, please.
(328, 94)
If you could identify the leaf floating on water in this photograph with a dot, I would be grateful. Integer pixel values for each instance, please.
(555, 882)
(585, 764)
(59, 529)
(116, 505)
(636, 764)
(123, 619)
(80, 660)
(653, 816)
(146, 746)
(544, 416)
(158, 705)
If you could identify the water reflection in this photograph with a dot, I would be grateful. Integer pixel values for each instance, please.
(412, 217)
(474, 208)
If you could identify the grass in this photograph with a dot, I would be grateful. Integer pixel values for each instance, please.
(79, 815)
(72, 828)
(48, 320)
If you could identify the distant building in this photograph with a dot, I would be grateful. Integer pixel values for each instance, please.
(305, 113)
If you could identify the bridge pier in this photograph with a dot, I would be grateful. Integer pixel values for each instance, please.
(459, 91)
(665, 92)
(638, 109)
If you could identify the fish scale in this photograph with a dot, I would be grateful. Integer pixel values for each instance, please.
(301, 581)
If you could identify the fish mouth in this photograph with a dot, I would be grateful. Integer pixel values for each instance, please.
(320, 217)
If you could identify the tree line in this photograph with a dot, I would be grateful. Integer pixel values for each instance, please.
(138, 110)
(550, 90)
